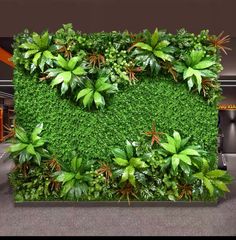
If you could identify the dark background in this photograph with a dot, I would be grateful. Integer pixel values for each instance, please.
(108, 15)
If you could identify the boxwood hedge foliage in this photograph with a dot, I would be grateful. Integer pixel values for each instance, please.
(129, 113)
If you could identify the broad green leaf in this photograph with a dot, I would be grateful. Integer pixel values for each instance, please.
(64, 76)
(67, 187)
(62, 62)
(100, 81)
(119, 153)
(189, 72)
(37, 39)
(170, 140)
(168, 147)
(208, 73)
(131, 177)
(199, 175)
(37, 130)
(179, 67)
(196, 56)
(45, 39)
(76, 163)
(36, 58)
(99, 100)
(154, 38)
(30, 149)
(37, 158)
(198, 76)
(121, 161)
(204, 64)
(215, 173)
(208, 185)
(17, 147)
(190, 83)
(163, 55)
(79, 71)
(177, 139)
(184, 141)
(185, 158)
(175, 161)
(65, 176)
(83, 92)
(129, 149)
(64, 88)
(138, 163)
(73, 61)
(48, 54)
(28, 45)
(38, 143)
(162, 44)
(190, 152)
(185, 167)
(104, 87)
(52, 72)
(42, 63)
(88, 99)
(143, 46)
(21, 134)
(125, 175)
(221, 185)
(30, 52)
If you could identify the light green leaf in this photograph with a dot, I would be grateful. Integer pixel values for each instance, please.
(29, 46)
(138, 163)
(30, 149)
(199, 175)
(154, 38)
(175, 161)
(48, 54)
(39, 143)
(162, 44)
(62, 77)
(143, 46)
(36, 58)
(221, 185)
(65, 176)
(36, 39)
(64, 88)
(189, 72)
(119, 153)
(190, 83)
(129, 149)
(198, 76)
(163, 55)
(83, 92)
(30, 52)
(76, 163)
(121, 161)
(168, 147)
(215, 173)
(104, 87)
(16, 147)
(73, 61)
(131, 177)
(196, 56)
(185, 158)
(189, 151)
(21, 134)
(99, 100)
(186, 169)
(88, 99)
(125, 175)
(204, 64)
(208, 185)
(45, 39)
(37, 130)
(177, 139)
(79, 71)
(62, 62)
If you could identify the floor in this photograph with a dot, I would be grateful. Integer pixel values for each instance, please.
(217, 220)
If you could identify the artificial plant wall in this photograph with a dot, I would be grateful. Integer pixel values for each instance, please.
(92, 92)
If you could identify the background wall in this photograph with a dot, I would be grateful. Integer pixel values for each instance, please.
(108, 15)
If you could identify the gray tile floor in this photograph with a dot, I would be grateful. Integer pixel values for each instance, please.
(116, 221)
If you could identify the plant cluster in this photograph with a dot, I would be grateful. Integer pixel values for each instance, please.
(69, 60)
(171, 170)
